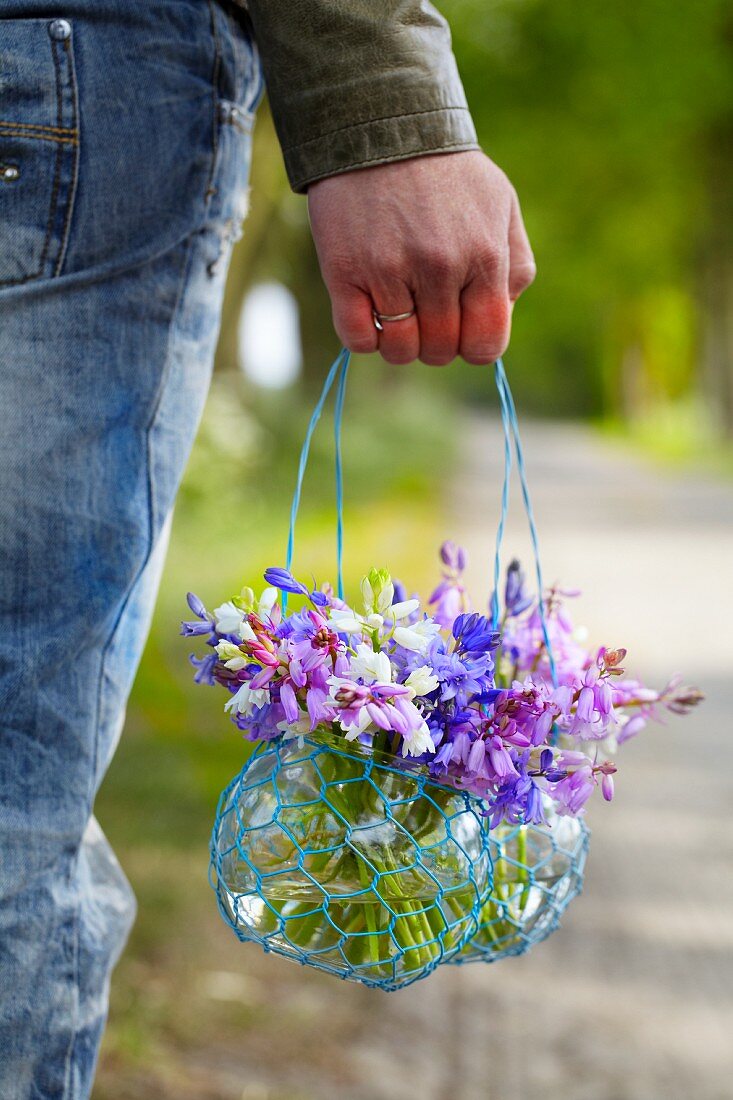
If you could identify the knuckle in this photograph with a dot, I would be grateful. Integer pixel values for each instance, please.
(437, 261)
(490, 260)
(522, 277)
(388, 270)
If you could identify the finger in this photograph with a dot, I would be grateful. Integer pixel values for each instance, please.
(399, 341)
(486, 313)
(352, 318)
(438, 308)
(522, 268)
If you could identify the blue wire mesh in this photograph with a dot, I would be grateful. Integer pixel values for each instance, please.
(538, 870)
(348, 863)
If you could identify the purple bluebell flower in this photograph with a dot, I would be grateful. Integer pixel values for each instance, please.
(515, 598)
(204, 668)
(195, 628)
(474, 634)
(446, 602)
(543, 726)
(197, 606)
(631, 728)
(461, 747)
(509, 801)
(500, 757)
(572, 792)
(203, 624)
(489, 696)
(441, 761)
(476, 763)
(400, 592)
(453, 556)
(460, 679)
(285, 581)
(534, 813)
(263, 723)
(585, 705)
(310, 639)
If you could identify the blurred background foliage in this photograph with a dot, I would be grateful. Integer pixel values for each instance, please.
(615, 123)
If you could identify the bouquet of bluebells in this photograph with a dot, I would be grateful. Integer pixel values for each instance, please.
(438, 685)
(476, 703)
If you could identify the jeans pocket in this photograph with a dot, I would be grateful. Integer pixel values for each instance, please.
(39, 146)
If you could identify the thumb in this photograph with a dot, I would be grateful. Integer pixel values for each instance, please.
(522, 268)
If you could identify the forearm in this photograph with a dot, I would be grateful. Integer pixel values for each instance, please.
(359, 82)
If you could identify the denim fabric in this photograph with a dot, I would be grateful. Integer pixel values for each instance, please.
(124, 158)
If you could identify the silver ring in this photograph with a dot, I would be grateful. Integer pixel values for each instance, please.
(379, 317)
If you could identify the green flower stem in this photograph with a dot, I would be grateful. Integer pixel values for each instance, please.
(523, 875)
(370, 915)
(506, 905)
(397, 909)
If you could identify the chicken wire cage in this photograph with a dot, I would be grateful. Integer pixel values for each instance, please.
(537, 871)
(349, 861)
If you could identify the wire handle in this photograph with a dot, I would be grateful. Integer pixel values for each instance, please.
(510, 425)
(340, 367)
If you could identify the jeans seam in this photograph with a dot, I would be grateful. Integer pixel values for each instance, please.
(51, 133)
(215, 76)
(71, 197)
(38, 126)
(57, 165)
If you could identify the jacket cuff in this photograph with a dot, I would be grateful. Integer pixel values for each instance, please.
(379, 141)
(353, 83)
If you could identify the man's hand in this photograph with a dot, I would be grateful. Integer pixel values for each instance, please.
(440, 233)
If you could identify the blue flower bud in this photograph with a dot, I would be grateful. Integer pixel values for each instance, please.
(196, 605)
(285, 581)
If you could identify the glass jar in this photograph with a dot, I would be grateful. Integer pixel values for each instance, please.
(349, 859)
(538, 870)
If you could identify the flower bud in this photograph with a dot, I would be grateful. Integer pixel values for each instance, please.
(196, 605)
(453, 556)
(613, 657)
(377, 591)
(246, 599)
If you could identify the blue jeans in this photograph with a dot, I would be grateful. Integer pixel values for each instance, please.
(124, 157)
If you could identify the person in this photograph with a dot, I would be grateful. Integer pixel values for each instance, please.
(125, 140)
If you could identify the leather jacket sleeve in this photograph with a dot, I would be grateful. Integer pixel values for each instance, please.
(358, 82)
